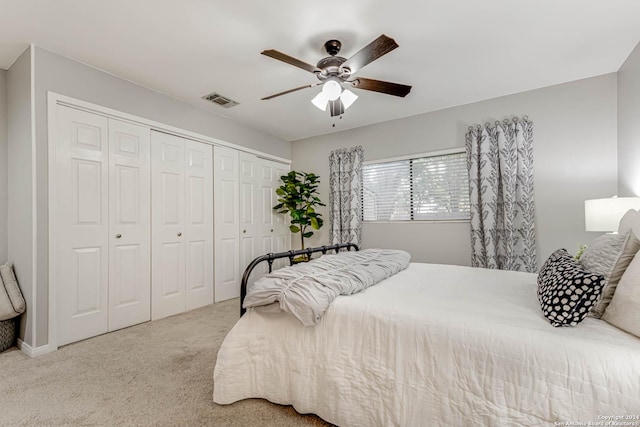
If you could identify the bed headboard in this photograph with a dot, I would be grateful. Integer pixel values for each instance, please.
(289, 254)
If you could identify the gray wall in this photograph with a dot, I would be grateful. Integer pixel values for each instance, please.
(629, 125)
(575, 158)
(3, 166)
(58, 74)
(62, 75)
(20, 206)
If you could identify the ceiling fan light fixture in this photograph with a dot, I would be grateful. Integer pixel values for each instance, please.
(332, 90)
(320, 101)
(348, 98)
(333, 71)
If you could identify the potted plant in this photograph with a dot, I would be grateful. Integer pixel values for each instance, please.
(299, 198)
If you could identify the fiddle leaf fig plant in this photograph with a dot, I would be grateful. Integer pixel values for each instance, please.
(298, 196)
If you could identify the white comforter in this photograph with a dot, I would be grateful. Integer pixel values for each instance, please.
(434, 345)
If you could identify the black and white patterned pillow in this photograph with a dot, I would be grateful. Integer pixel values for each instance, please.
(566, 290)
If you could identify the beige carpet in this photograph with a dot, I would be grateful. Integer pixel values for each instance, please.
(158, 373)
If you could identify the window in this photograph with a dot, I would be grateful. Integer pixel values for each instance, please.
(429, 187)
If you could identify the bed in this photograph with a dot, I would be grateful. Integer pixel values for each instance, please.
(435, 345)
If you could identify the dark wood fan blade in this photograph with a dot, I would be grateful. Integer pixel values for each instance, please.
(336, 107)
(290, 60)
(389, 88)
(289, 91)
(374, 50)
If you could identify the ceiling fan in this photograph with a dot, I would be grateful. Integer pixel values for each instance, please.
(335, 71)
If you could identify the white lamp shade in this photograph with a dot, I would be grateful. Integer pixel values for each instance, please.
(331, 90)
(320, 101)
(604, 215)
(348, 98)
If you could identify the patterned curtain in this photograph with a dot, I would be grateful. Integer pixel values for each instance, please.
(345, 182)
(500, 162)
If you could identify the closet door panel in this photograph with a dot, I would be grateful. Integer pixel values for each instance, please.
(250, 241)
(167, 225)
(170, 274)
(199, 224)
(228, 268)
(80, 218)
(276, 226)
(281, 231)
(268, 193)
(87, 271)
(129, 228)
(264, 181)
(227, 223)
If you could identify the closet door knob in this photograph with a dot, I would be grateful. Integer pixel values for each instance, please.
(179, 234)
(244, 231)
(272, 230)
(118, 236)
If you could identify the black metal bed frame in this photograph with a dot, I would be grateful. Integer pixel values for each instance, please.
(289, 254)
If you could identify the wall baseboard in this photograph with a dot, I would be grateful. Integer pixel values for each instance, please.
(34, 352)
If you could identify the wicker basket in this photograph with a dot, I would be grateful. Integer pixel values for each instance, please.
(7, 333)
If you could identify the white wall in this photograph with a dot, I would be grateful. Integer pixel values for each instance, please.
(20, 230)
(629, 125)
(3, 166)
(575, 158)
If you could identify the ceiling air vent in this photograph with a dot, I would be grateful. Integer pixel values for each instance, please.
(216, 98)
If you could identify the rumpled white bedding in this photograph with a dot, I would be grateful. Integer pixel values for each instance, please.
(434, 345)
(306, 290)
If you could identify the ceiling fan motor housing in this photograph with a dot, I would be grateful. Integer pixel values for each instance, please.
(330, 67)
(332, 47)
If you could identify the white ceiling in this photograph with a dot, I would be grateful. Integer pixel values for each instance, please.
(452, 52)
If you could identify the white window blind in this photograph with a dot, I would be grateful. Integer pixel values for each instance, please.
(423, 188)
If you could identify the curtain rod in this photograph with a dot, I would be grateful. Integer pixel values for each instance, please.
(505, 121)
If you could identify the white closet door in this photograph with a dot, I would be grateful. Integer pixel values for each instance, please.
(198, 230)
(281, 235)
(227, 224)
(250, 239)
(129, 225)
(167, 225)
(80, 220)
(266, 201)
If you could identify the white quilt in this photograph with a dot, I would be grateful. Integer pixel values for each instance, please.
(434, 345)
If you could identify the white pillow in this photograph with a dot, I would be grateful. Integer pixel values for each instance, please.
(624, 309)
(627, 221)
(609, 255)
(12, 302)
